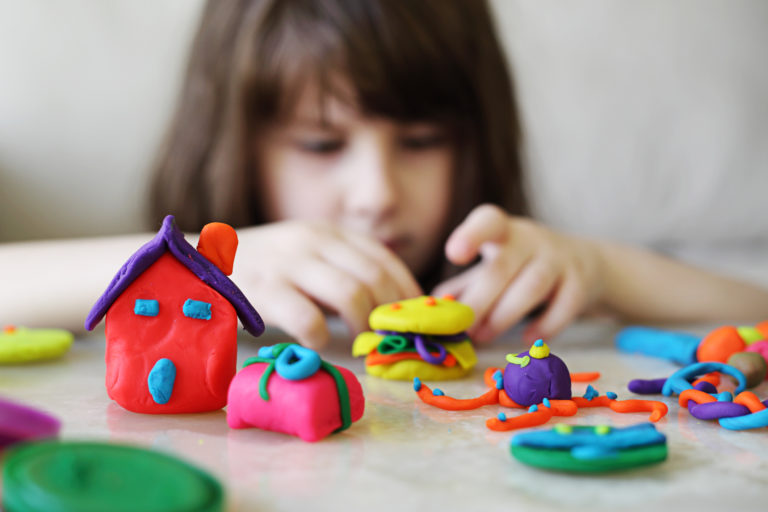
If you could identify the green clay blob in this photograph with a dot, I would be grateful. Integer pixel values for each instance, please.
(94, 477)
(562, 460)
(586, 449)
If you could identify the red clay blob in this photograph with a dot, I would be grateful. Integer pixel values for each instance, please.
(204, 352)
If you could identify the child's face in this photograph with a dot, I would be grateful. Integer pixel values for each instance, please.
(386, 179)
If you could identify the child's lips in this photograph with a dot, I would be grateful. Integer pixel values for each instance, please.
(395, 244)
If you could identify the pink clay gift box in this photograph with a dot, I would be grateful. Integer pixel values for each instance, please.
(289, 389)
(171, 323)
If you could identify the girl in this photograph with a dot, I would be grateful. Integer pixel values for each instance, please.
(379, 139)
(368, 151)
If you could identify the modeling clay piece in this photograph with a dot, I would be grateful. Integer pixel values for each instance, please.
(543, 381)
(171, 324)
(717, 346)
(752, 365)
(422, 337)
(534, 375)
(21, 423)
(679, 347)
(700, 395)
(22, 345)
(90, 477)
(586, 449)
(289, 389)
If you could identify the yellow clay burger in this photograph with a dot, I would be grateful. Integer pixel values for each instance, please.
(422, 337)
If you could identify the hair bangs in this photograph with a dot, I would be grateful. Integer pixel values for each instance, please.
(407, 74)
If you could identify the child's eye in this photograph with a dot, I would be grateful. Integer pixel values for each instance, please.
(321, 146)
(423, 139)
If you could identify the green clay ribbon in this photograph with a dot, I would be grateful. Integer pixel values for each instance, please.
(394, 344)
(270, 368)
(341, 385)
(343, 391)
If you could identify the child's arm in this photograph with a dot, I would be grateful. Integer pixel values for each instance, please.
(525, 264)
(289, 271)
(643, 286)
(54, 283)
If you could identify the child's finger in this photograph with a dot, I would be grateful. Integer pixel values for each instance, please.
(486, 223)
(530, 288)
(367, 270)
(490, 280)
(337, 290)
(566, 304)
(457, 284)
(285, 307)
(401, 276)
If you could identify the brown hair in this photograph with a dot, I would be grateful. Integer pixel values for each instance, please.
(406, 60)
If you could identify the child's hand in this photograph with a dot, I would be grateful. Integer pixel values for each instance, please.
(292, 271)
(523, 265)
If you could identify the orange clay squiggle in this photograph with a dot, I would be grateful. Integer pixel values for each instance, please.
(750, 401)
(541, 413)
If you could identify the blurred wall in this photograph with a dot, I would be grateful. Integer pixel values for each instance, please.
(645, 121)
(660, 106)
(648, 122)
(86, 87)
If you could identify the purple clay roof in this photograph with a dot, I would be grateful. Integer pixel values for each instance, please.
(169, 238)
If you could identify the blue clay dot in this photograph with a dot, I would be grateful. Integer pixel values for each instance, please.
(416, 384)
(502, 416)
(437, 392)
(546, 402)
(499, 378)
(611, 395)
(591, 393)
(533, 408)
(538, 343)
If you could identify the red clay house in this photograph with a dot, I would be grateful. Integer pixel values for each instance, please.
(171, 323)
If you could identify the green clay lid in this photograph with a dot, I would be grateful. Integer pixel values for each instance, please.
(562, 460)
(87, 476)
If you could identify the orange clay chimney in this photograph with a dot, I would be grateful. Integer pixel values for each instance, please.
(218, 243)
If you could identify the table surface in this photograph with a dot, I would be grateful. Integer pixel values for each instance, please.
(405, 455)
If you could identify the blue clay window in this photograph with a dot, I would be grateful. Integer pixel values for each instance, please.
(146, 307)
(197, 309)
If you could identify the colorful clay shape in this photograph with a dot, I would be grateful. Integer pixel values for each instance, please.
(24, 345)
(696, 386)
(679, 347)
(171, 324)
(289, 389)
(21, 423)
(541, 382)
(422, 337)
(90, 477)
(684, 348)
(531, 376)
(590, 449)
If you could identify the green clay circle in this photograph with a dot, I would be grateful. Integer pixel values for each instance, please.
(562, 460)
(94, 477)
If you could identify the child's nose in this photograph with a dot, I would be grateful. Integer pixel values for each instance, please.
(373, 188)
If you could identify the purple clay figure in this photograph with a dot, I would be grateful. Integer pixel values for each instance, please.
(536, 374)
